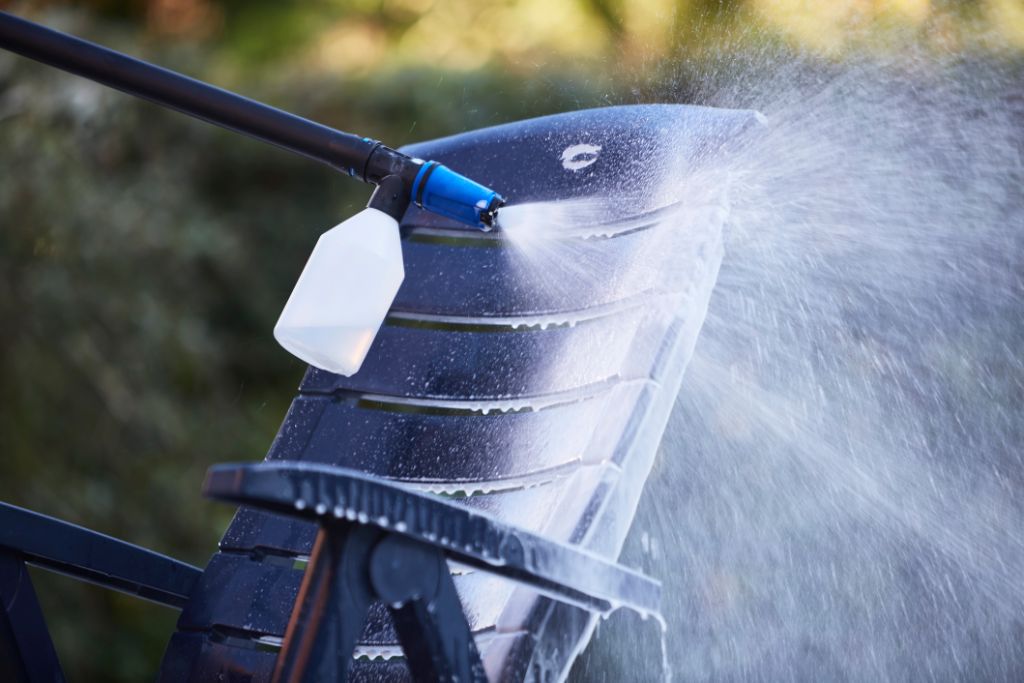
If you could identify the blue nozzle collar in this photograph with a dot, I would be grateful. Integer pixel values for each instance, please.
(441, 190)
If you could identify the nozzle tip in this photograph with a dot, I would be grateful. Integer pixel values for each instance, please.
(489, 214)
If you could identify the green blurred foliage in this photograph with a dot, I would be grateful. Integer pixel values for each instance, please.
(144, 256)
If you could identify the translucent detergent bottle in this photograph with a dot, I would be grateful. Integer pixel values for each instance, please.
(344, 293)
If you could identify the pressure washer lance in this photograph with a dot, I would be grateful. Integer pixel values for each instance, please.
(355, 270)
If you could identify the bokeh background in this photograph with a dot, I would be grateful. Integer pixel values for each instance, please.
(145, 256)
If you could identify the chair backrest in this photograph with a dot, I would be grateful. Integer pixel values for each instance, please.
(527, 374)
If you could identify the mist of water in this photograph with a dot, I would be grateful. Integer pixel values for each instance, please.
(839, 494)
(853, 509)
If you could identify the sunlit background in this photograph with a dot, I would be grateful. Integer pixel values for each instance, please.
(145, 256)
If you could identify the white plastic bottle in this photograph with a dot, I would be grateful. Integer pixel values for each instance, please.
(344, 293)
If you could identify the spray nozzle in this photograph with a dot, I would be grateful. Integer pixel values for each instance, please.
(441, 190)
(430, 185)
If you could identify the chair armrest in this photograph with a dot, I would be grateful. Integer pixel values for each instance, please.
(91, 556)
(321, 492)
(380, 540)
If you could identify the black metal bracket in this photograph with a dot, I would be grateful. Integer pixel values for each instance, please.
(380, 540)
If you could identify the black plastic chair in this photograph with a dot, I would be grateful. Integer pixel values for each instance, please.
(504, 422)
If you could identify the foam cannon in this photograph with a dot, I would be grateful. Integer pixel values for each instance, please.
(355, 270)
